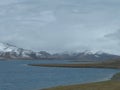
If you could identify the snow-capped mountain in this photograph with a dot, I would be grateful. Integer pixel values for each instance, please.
(90, 56)
(87, 56)
(8, 51)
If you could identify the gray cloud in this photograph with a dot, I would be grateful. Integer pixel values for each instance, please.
(60, 25)
(115, 35)
(114, 39)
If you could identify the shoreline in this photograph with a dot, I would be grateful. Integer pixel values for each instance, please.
(108, 65)
(113, 84)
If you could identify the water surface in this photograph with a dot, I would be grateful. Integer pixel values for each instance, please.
(17, 75)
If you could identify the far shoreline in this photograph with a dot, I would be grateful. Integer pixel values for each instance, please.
(109, 65)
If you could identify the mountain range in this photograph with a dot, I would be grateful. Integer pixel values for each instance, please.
(8, 51)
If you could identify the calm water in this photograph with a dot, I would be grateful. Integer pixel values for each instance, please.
(16, 75)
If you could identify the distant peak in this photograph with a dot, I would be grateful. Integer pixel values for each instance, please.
(100, 52)
(86, 52)
(8, 44)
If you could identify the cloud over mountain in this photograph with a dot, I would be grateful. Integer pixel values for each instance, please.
(60, 25)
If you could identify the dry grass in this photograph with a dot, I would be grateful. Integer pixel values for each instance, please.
(106, 85)
(111, 64)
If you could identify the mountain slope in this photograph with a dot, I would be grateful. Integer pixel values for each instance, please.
(87, 56)
(8, 51)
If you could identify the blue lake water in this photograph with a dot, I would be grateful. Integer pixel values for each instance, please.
(16, 75)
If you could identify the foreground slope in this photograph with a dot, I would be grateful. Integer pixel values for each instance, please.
(106, 85)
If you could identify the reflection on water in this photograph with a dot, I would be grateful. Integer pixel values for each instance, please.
(17, 75)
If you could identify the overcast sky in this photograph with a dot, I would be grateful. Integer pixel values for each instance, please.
(61, 25)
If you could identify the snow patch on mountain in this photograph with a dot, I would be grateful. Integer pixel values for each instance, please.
(9, 51)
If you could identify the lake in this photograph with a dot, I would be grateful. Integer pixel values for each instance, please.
(17, 75)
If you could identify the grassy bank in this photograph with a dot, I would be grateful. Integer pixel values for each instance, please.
(111, 64)
(106, 85)
(113, 84)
